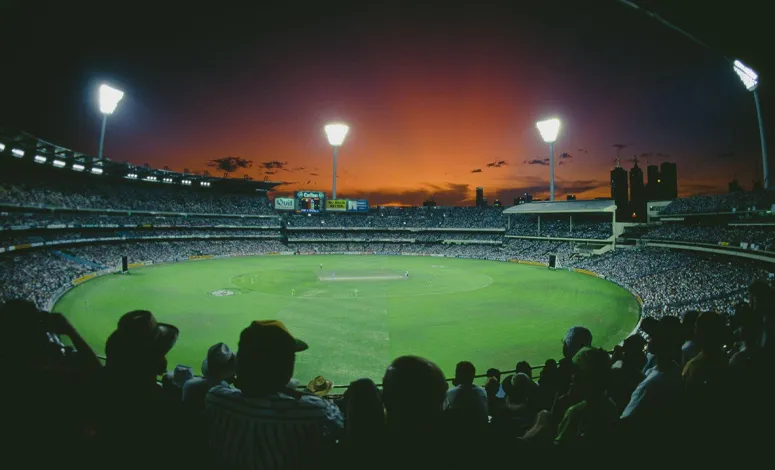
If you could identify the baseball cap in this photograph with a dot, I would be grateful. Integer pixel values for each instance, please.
(270, 335)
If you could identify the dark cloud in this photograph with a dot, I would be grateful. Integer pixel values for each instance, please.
(536, 161)
(563, 162)
(582, 150)
(646, 155)
(448, 194)
(476, 170)
(272, 164)
(300, 168)
(269, 172)
(565, 155)
(663, 155)
(497, 164)
(229, 164)
(540, 186)
(314, 174)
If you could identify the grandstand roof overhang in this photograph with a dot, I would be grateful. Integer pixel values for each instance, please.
(33, 146)
(562, 207)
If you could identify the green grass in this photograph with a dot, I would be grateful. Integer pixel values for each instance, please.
(493, 314)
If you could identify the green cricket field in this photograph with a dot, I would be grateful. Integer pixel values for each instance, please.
(357, 313)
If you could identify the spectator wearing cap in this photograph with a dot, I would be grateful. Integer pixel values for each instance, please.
(134, 408)
(466, 399)
(173, 381)
(218, 368)
(519, 411)
(262, 424)
(592, 419)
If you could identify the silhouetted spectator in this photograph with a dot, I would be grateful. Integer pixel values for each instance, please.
(593, 418)
(577, 337)
(626, 371)
(658, 397)
(466, 400)
(519, 410)
(262, 423)
(711, 362)
(218, 368)
(524, 367)
(548, 384)
(133, 403)
(414, 390)
(365, 421)
(495, 373)
(173, 381)
(690, 349)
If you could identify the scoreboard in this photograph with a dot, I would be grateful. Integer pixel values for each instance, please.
(310, 202)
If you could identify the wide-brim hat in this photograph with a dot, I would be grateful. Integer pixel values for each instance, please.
(220, 363)
(180, 375)
(270, 335)
(143, 329)
(320, 386)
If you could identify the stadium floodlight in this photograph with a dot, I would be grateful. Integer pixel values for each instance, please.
(59, 163)
(109, 98)
(78, 167)
(751, 81)
(2, 148)
(549, 130)
(336, 134)
(96, 171)
(18, 153)
(39, 159)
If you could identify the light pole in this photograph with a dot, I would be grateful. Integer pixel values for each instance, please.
(751, 81)
(549, 130)
(109, 98)
(336, 134)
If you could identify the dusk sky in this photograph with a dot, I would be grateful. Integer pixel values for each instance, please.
(439, 99)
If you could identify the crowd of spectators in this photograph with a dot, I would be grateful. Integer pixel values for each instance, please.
(400, 218)
(101, 194)
(551, 226)
(721, 203)
(695, 390)
(734, 235)
(32, 220)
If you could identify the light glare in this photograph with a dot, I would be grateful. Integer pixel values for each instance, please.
(39, 159)
(59, 163)
(96, 171)
(109, 98)
(18, 153)
(336, 133)
(549, 129)
(78, 167)
(749, 78)
(2, 147)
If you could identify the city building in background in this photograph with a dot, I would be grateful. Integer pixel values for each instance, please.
(637, 194)
(669, 176)
(620, 192)
(653, 183)
(480, 197)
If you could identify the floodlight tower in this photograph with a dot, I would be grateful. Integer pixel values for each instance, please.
(109, 98)
(751, 81)
(336, 134)
(549, 130)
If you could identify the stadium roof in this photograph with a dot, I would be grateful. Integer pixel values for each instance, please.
(27, 147)
(562, 207)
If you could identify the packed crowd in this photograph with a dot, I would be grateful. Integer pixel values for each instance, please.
(32, 220)
(598, 228)
(761, 236)
(39, 275)
(100, 194)
(419, 217)
(697, 389)
(721, 203)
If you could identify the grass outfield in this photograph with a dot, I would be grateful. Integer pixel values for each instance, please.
(359, 312)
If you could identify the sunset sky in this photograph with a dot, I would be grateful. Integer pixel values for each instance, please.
(435, 97)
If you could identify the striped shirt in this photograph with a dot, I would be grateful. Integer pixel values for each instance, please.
(275, 431)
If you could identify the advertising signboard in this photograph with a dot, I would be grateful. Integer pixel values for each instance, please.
(336, 205)
(357, 205)
(284, 203)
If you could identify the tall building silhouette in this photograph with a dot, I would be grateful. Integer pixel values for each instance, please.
(480, 197)
(619, 192)
(654, 184)
(637, 194)
(669, 176)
